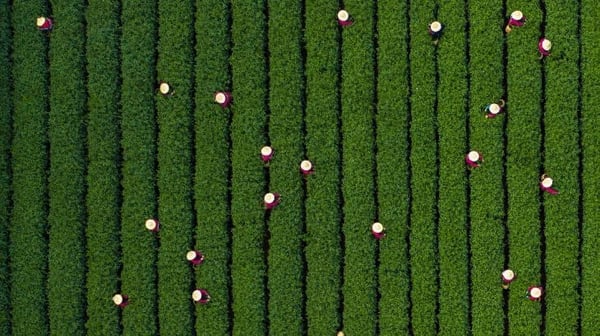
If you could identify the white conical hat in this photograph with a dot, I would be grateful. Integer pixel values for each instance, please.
(377, 227)
(535, 292)
(197, 295)
(164, 88)
(473, 156)
(220, 97)
(117, 299)
(269, 197)
(191, 255)
(306, 165)
(547, 182)
(546, 44)
(516, 15)
(494, 108)
(435, 26)
(150, 224)
(266, 150)
(40, 21)
(343, 15)
(340, 333)
(508, 274)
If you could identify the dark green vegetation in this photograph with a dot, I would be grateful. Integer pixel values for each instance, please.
(89, 150)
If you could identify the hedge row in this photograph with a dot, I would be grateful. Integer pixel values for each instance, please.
(358, 152)
(322, 202)
(28, 240)
(424, 171)
(138, 145)
(103, 194)
(5, 131)
(285, 263)
(451, 117)
(174, 118)
(561, 161)
(212, 171)
(590, 123)
(66, 183)
(392, 165)
(248, 181)
(486, 207)
(523, 167)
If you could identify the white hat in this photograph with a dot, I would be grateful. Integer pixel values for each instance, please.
(340, 333)
(508, 274)
(220, 97)
(306, 165)
(435, 26)
(547, 182)
(546, 44)
(473, 156)
(377, 227)
(535, 292)
(117, 299)
(40, 21)
(516, 15)
(269, 198)
(150, 224)
(343, 15)
(191, 255)
(197, 295)
(266, 150)
(164, 88)
(494, 108)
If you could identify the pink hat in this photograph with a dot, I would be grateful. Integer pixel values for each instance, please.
(118, 299)
(435, 26)
(535, 292)
(150, 224)
(494, 108)
(269, 198)
(164, 88)
(546, 44)
(306, 165)
(40, 21)
(191, 255)
(516, 15)
(266, 150)
(508, 274)
(220, 97)
(343, 15)
(197, 295)
(473, 156)
(377, 227)
(547, 182)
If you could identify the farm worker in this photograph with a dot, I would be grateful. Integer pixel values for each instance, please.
(377, 230)
(271, 200)
(507, 277)
(474, 159)
(44, 23)
(546, 184)
(516, 20)
(534, 293)
(306, 167)
(152, 225)
(165, 89)
(200, 296)
(435, 30)
(344, 18)
(223, 98)
(266, 153)
(544, 46)
(195, 257)
(120, 300)
(492, 110)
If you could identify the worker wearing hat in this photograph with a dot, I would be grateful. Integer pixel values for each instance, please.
(344, 18)
(306, 167)
(152, 224)
(223, 98)
(377, 230)
(43, 23)
(516, 20)
(544, 46)
(120, 300)
(546, 184)
(435, 30)
(271, 200)
(194, 257)
(492, 110)
(200, 296)
(534, 293)
(508, 276)
(473, 159)
(266, 153)
(165, 89)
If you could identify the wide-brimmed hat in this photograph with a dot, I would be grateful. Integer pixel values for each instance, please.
(473, 156)
(266, 150)
(494, 108)
(306, 165)
(118, 299)
(197, 295)
(151, 224)
(220, 97)
(435, 26)
(508, 274)
(546, 44)
(516, 15)
(547, 182)
(40, 21)
(164, 88)
(269, 197)
(377, 227)
(343, 15)
(191, 255)
(535, 292)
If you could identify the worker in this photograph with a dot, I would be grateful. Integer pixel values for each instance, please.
(195, 257)
(474, 159)
(534, 293)
(306, 167)
(516, 20)
(271, 200)
(546, 184)
(266, 153)
(507, 277)
(435, 30)
(200, 296)
(492, 110)
(344, 18)
(120, 300)
(377, 230)
(44, 24)
(165, 89)
(223, 98)
(152, 224)
(544, 46)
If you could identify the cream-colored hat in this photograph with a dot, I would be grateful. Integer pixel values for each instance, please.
(191, 255)
(508, 274)
(435, 26)
(150, 224)
(473, 156)
(343, 15)
(547, 182)
(516, 15)
(377, 227)
(546, 44)
(266, 150)
(220, 97)
(340, 333)
(164, 88)
(197, 295)
(535, 292)
(117, 299)
(306, 165)
(40, 21)
(269, 198)
(494, 108)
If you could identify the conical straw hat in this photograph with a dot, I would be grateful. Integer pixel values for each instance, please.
(266, 150)
(220, 97)
(40, 21)
(306, 165)
(547, 182)
(377, 227)
(546, 44)
(164, 88)
(117, 299)
(150, 224)
(494, 108)
(197, 295)
(435, 26)
(343, 15)
(535, 292)
(516, 15)
(191, 255)
(269, 198)
(508, 274)
(473, 156)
